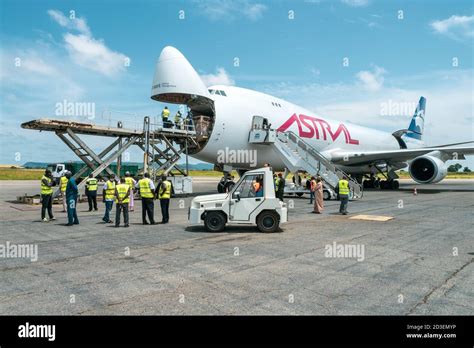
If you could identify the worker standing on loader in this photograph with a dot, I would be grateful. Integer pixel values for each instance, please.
(164, 116)
(108, 197)
(91, 192)
(47, 196)
(131, 182)
(177, 120)
(164, 194)
(62, 186)
(71, 196)
(343, 190)
(122, 198)
(147, 189)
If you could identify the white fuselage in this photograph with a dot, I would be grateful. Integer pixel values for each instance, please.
(233, 121)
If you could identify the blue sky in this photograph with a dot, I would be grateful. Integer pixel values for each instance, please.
(394, 57)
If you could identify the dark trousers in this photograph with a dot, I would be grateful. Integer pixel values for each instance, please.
(121, 207)
(92, 199)
(108, 208)
(46, 204)
(148, 207)
(344, 201)
(71, 211)
(165, 206)
(279, 195)
(311, 197)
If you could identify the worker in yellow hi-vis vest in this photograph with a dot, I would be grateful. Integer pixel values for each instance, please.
(122, 198)
(47, 184)
(91, 192)
(108, 197)
(164, 195)
(343, 191)
(63, 183)
(165, 114)
(131, 182)
(147, 193)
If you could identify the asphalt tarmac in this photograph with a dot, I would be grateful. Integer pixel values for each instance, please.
(419, 262)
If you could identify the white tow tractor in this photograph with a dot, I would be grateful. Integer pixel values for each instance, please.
(242, 205)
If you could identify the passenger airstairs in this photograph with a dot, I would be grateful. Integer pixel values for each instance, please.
(298, 155)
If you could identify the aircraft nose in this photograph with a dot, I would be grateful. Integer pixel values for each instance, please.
(169, 52)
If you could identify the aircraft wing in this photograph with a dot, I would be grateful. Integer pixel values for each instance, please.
(453, 151)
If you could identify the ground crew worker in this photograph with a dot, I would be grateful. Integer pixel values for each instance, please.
(131, 182)
(164, 116)
(280, 186)
(343, 190)
(47, 196)
(122, 198)
(177, 120)
(63, 183)
(312, 189)
(147, 189)
(108, 197)
(258, 187)
(91, 192)
(164, 194)
(71, 196)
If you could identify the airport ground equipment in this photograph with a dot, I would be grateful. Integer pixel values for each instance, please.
(59, 169)
(163, 147)
(298, 155)
(241, 205)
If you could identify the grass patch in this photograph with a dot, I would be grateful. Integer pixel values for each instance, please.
(20, 174)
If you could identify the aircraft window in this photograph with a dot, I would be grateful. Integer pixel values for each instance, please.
(223, 93)
(211, 91)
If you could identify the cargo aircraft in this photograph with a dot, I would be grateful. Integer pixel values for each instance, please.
(224, 115)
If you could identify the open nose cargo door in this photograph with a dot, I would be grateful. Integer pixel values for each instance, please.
(177, 82)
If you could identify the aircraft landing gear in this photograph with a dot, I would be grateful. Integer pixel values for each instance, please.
(389, 184)
(226, 183)
(372, 183)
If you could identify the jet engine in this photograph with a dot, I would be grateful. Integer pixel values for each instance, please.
(428, 169)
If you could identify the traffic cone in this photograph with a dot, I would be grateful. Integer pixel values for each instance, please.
(415, 192)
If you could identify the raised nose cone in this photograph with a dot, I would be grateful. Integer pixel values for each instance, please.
(169, 52)
(175, 80)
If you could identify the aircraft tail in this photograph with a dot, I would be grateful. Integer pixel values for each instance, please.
(417, 124)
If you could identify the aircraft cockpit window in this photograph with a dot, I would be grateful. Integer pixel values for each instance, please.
(218, 92)
(211, 91)
(223, 94)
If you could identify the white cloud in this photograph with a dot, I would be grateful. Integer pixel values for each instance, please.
(94, 55)
(85, 50)
(78, 24)
(372, 81)
(356, 3)
(221, 77)
(455, 27)
(231, 9)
